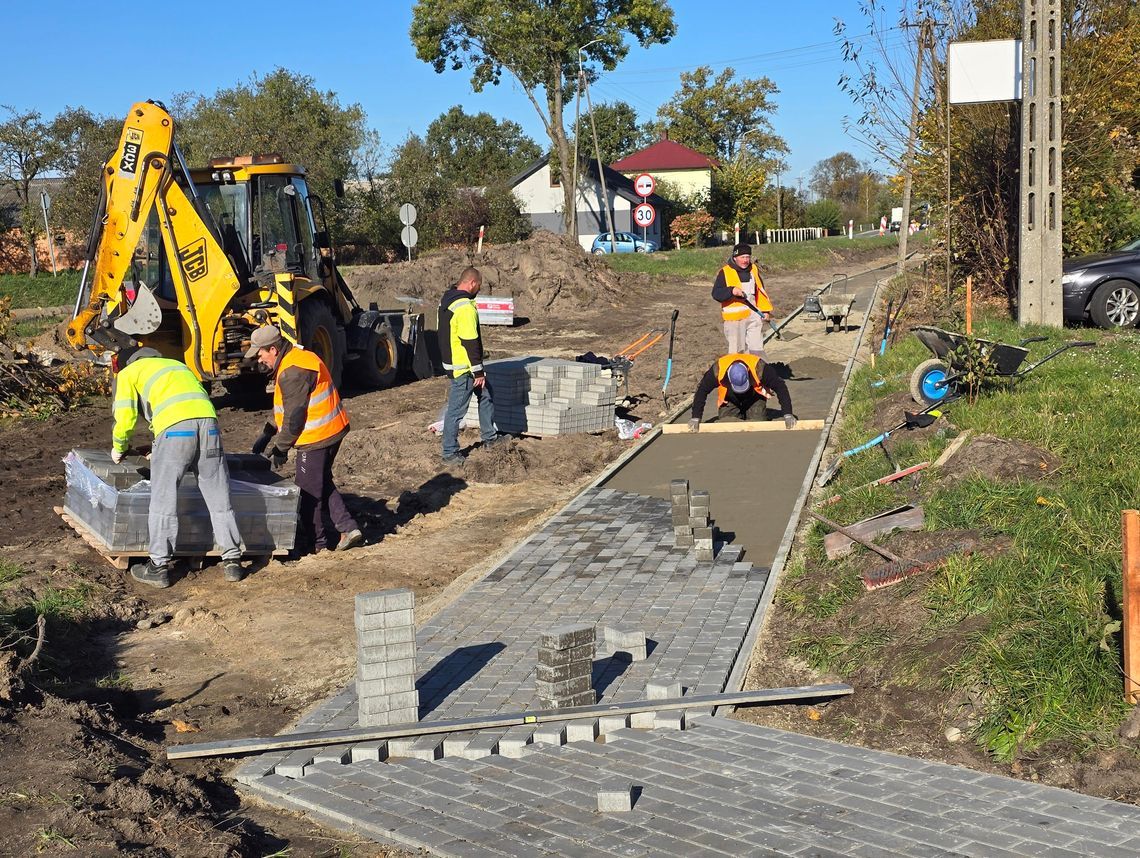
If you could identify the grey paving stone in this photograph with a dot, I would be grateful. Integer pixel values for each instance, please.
(384, 600)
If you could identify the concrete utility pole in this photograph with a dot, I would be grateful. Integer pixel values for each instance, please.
(598, 155)
(779, 202)
(923, 43)
(1039, 247)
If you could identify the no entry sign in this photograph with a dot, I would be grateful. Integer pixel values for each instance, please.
(644, 185)
(644, 215)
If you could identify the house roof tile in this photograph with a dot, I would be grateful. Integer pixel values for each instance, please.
(664, 155)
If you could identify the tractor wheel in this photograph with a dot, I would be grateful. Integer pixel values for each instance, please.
(928, 382)
(321, 335)
(376, 366)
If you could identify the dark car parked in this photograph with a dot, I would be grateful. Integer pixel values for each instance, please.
(1104, 287)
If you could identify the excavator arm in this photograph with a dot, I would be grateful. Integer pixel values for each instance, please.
(140, 178)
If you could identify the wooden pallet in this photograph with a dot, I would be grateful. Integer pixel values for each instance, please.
(121, 560)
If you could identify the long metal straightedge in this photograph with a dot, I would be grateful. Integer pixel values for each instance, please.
(236, 747)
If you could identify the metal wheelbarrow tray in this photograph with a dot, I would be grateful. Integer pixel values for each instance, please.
(934, 379)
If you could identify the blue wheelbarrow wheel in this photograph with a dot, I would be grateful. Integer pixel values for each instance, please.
(928, 383)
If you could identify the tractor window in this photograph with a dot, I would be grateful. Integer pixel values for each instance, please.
(305, 227)
(229, 204)
(277, 242)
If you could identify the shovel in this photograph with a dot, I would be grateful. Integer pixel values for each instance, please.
(915, 420)
(669, 361)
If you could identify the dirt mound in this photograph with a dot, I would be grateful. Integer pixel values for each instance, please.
(1000, 459)
(546, 273)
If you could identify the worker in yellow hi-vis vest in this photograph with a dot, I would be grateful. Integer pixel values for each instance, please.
(736, 283)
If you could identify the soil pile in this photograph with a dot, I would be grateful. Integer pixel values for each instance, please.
(545, 274)
(1000, 459)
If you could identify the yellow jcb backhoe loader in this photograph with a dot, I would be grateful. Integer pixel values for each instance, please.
(190, 262)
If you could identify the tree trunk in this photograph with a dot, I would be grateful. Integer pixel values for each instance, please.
(563, 156)
(33, 264)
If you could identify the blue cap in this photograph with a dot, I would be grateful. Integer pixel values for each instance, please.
(738, 378)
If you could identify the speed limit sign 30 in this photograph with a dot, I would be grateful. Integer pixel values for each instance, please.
(644, 215)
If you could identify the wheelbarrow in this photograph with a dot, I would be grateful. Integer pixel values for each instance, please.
(936, 378)
(834, 308)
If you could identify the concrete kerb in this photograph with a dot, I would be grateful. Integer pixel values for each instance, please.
(740, 666)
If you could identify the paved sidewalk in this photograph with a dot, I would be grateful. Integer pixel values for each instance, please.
(699, 786)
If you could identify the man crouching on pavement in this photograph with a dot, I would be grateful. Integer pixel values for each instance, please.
(308, 415)
(743, 384)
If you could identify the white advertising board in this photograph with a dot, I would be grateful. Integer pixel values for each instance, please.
(984, 71)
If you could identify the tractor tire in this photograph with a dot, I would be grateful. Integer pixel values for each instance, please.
(321, 335)
(926, 382)
(377, 365)
(1115, 304)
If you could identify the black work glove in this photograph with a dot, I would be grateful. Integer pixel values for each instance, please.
(263, 439)
(277, 458)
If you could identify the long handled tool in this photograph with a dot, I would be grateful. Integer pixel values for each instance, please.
(911, 421)
(897, 568)
(669, 361)
(757, 311)
(887, 327)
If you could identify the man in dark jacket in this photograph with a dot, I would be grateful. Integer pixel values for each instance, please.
(307, 415)
(461, 348)
(743, 383)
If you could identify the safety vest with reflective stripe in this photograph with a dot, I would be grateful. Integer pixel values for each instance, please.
(168, 391)
(325, 416)
(755, 370)
(735, 310)
(464, 325)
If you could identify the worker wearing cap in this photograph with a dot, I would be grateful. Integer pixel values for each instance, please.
(743, 383)
(186, 439)
(307, 415)
(737, 282)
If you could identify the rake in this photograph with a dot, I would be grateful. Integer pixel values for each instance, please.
(897, 568)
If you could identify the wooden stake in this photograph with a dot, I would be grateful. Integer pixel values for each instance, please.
(742, 426)
(1130, 543)
(969, 305)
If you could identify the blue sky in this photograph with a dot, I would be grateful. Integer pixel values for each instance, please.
(105, 58)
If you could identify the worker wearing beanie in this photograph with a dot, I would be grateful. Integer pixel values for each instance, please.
(736, 282)
(743, 383)
(186, 439)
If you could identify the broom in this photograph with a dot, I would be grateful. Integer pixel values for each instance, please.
(897, 568)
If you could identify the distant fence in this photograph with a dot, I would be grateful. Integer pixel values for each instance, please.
(803, 233)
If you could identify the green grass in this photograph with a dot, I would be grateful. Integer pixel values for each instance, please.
(28, 329)
(1041, 646)
(704, 261)
(40, 291)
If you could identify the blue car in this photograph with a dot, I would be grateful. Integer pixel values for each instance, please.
(627, 242)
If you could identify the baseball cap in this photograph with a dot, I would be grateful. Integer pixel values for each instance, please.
(264, 337)
(738, 378)
(126, 356)
(741, 249)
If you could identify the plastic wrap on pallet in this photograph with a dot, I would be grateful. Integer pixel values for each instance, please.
(266, 512)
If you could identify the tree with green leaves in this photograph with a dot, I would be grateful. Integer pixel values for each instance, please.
(476, 150)
(86, 141)
(541, 45)
(28, 149)
(619, 133)
(717, 115)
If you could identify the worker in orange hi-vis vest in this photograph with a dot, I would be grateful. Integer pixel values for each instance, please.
(736, 283)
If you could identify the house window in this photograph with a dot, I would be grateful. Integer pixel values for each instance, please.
(554, 182)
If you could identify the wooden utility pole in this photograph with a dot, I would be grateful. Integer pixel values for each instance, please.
(1130, 589)
(924, 41)
(1039, 247)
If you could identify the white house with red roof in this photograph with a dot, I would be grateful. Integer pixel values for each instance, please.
(685, 170)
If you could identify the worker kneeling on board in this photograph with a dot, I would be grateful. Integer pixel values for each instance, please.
(743, 384)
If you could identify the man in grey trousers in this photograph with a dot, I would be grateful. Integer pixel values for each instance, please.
(186, 438)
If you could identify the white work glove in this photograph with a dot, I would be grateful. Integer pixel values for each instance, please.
(694, 425)
(789, 421)
(117, 456)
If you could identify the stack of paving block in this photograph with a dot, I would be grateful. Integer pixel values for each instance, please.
(386, 663)
(564, 675)
(112, 500)
(692, 527)
(546, 396)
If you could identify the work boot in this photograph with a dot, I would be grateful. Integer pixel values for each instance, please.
(151, 575)
(350, 540)
(232, 571)
(497, 441)
(457, 461)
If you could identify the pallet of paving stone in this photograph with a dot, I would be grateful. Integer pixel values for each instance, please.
(742, 426)
(108, 504)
